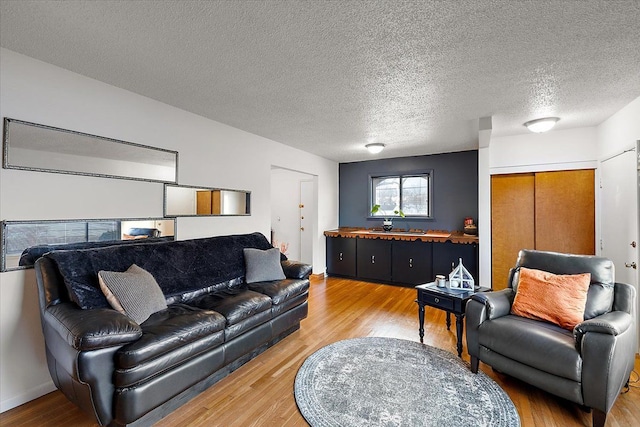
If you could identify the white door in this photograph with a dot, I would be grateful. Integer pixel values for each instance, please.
(619, 201)
(619, 195)
(307, 209)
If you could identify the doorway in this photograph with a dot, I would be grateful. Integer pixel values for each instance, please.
(294, 213)
(620, 221)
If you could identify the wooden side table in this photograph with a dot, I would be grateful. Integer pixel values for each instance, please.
(452, 301)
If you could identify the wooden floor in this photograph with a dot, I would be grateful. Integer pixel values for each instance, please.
(261, 392)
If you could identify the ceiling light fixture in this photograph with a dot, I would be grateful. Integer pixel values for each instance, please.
(541, 125)
(375, 147)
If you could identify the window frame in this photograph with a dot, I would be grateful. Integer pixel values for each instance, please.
(401, 176)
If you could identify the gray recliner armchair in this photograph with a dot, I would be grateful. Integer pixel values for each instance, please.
(588, 366)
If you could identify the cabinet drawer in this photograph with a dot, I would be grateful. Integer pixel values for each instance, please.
(437, 301)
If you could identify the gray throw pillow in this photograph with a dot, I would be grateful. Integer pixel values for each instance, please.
(134, 292)
(262, 266)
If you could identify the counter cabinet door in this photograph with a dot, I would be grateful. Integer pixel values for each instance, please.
(374, 259)
(447, 255)
(341, 256)
(412, 262)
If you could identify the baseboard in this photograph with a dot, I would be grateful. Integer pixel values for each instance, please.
(318, 276)
(27, 396)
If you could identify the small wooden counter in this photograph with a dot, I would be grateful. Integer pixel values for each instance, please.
(408, 236)
(400, 257)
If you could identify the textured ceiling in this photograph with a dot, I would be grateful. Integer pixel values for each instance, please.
(329, 76)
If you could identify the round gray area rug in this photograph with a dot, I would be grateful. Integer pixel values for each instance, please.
(392, 382)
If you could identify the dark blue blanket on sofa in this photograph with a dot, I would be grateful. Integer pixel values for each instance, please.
(179, 267)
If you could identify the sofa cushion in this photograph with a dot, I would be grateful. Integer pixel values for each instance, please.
(177, 326)
(558, 299)
(235, 305)
(178, 266)
(170, 338)
(281, 290)
(133, 292)
(533, 343)
(262, 265)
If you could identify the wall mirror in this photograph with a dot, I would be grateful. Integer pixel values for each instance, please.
(44, 236)
(31, 146)
(183, 200)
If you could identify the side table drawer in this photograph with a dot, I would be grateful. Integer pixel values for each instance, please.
(437, 301)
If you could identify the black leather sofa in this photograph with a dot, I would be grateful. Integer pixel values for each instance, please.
(589, 365)
(124, 373)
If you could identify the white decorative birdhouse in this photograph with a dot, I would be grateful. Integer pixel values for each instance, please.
(460, 278)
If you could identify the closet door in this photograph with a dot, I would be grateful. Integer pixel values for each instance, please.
(512, 222)
(565, 211)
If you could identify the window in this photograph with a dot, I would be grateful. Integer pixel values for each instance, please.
(409, 193)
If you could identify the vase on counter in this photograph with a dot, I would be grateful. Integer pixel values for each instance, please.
(387, 224)
(470, 229)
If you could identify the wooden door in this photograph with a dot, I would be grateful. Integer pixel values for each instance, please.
(512, 223)
(565, 211)
(216, 202)
(203, 202)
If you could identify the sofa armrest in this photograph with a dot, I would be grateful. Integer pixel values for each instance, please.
(497, 303)
(296, 269)
(91, 329)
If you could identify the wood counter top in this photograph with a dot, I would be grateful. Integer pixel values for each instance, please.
(410, 236)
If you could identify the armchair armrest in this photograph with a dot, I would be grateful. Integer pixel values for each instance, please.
(612, 323)
(296, 269)
(497, 304)
(607, 345)
(91, 329)
(484, 306)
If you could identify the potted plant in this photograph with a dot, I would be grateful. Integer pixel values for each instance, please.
(387, 222)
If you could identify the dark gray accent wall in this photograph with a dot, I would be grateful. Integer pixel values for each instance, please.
(454, 191)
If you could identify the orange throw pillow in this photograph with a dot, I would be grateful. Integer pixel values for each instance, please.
(558, 299)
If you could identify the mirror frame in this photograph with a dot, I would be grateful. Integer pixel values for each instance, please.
(5, 223)
(196, 187)
(6, 146)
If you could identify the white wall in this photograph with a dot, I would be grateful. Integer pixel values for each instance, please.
(530, 152)
(578, 148)
(619, 131)
(211, 155)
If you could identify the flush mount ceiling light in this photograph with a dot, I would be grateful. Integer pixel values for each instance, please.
(374, 148)
(541, 125)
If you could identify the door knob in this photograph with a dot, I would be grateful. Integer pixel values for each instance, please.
(301, 228)
(632, 265)
(633, 244)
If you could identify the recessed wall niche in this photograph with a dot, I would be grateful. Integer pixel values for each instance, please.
(41, 237)
(184, 200)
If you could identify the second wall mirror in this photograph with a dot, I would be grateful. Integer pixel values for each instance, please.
(184, 200)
